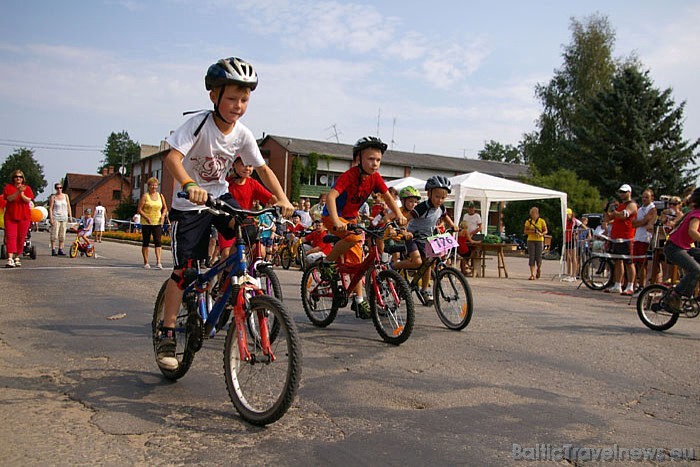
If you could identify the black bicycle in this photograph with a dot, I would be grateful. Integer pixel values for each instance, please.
(654, 313)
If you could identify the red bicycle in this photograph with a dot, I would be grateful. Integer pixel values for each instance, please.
(388, 293)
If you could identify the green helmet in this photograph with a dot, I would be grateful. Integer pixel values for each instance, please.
(409, 192)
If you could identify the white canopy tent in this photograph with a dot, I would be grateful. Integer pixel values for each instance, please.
(400, 183)
(487, 188)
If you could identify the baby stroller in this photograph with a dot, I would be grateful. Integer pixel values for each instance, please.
(28, 250)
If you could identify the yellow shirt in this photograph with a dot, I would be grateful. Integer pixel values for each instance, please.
(540, 225)
(152, 210)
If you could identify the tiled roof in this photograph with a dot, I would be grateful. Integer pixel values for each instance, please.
(406, 159)
(81, 181)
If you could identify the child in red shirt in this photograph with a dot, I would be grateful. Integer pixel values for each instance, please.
(350, 191)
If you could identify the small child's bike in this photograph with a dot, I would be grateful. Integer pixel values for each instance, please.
(262, 352)
(655, 314)
(83, 246)
(389, 297)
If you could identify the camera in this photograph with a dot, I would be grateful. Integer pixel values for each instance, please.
(662, 203)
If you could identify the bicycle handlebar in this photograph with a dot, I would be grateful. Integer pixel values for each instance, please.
(217, 206)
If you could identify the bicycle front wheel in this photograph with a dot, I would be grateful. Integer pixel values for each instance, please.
(263, 387)
(286, 258)
(597, 273)
(73, 252)
(185, 329)
(317, 297)
(270, 285)
(393, 321)
(651, 309)
(452, 298)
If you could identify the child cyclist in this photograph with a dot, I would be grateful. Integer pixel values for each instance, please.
(423, 220)
(245, 190)
(350, 191)
(88, 223)
(202, 152)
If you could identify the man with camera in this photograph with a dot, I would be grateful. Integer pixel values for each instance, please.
(622, 235)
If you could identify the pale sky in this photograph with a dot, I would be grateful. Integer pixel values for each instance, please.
(439, 77)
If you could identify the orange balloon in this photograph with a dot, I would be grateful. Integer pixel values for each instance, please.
(37, 215)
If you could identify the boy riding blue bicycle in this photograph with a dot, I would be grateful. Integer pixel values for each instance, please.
(202, 152)
(422, 222)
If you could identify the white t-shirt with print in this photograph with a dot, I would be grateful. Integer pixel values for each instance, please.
(209, 156)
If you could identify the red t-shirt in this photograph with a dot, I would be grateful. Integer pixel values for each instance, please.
(353, 191)
(17, 210)
(315, 238)
(250, 191)
(622, 228)
(297, 228)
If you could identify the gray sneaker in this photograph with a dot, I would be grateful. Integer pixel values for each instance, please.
(165, 353)
(674, 303)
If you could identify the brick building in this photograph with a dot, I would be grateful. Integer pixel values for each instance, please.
(86, 190)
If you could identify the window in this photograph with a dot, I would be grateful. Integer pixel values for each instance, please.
(116, 195)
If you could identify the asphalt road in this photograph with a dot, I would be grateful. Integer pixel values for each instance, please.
(543, 365)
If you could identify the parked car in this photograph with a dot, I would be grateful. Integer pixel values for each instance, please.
(111, 226)
(44, 226)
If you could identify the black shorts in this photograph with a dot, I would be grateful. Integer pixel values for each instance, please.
(622, 248)
(191, 231)
(148, 231)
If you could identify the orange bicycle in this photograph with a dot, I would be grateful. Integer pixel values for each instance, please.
(389, 296)
(83, 246)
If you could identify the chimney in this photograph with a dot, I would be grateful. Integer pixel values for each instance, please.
(104, 171)
(111, 170)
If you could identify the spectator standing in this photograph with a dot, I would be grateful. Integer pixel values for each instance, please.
(316, 210)
(152, 210)
(17, 217)
(572, 224)
(136, 222)
(471, 220)
(535, 229)
(644, 226)
(100, 215)
(59, 213)
(622, 235)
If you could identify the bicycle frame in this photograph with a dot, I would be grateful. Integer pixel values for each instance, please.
(357, 272)
(238, 278)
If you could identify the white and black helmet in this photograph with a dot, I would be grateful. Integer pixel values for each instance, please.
(231, 70)
(438, 181)
(368, 142)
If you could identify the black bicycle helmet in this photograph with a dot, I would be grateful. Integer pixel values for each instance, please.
(231, 70)
(367, 142)
(438, 181)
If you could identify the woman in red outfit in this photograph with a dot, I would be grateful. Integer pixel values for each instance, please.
(17, 217)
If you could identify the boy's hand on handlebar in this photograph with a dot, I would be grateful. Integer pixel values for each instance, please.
(197, 194)
(401, 219)
(340, 226)
(286, 206)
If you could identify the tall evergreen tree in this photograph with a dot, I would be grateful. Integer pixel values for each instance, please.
(23, 159)
(587, 69)
(120, 150)
(633, 133)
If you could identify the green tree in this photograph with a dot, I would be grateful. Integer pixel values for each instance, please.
(495, 151)
(582, 197)
(23, 159)
(633, 133)
(120, 150)
(587, 69)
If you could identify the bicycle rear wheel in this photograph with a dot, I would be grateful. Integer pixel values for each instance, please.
(452, 298)
(651, 309)
(188, 330)
(394, 321)
(597, 273)
(317, 297)
(262, 389)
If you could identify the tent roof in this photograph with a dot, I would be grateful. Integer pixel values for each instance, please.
(478, 186)
(400, 183)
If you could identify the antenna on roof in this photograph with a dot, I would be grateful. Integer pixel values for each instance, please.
(335, 134)
(379, 114)
(393, 130)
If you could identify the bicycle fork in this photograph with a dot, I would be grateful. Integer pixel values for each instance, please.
(240, 318)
